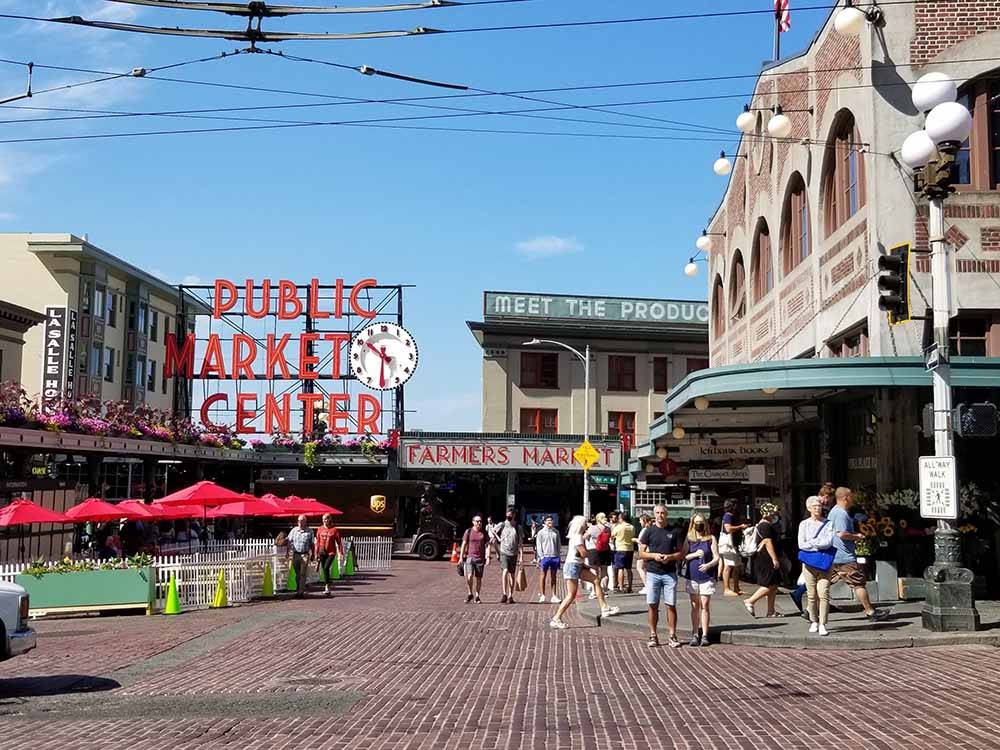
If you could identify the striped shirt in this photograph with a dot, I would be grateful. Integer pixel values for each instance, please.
(301, 540)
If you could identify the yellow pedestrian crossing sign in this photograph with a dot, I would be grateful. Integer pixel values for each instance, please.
(586, 455)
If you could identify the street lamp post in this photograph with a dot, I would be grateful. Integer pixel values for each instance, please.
(585, 359)
(949, 603)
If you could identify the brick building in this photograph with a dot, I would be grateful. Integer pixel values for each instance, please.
(801, 357)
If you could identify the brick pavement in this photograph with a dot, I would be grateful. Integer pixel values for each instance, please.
(401, 662)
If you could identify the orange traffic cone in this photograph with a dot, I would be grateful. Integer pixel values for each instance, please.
(454, 553)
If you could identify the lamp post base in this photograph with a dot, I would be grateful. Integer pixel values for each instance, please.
(950, 604)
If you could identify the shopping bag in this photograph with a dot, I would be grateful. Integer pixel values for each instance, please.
(520, 580)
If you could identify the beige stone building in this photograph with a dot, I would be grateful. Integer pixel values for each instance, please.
(639, 350)
(105, 320)
(15, 321)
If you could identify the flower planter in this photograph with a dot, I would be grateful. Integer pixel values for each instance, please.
(270, 448)
(90, 590)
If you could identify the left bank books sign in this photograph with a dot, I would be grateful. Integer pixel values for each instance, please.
(501, 455)
(59, 355)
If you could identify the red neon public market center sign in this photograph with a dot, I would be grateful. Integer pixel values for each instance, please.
(383, 356)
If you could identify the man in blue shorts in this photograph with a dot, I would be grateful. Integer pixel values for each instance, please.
(660, 547)
(547, 554)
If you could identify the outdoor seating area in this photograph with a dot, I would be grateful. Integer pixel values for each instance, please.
(193, 573)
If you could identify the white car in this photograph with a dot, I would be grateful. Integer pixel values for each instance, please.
(15, 635)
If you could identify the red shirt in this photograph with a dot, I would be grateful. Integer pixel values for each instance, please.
(328, 540)
(475, 544)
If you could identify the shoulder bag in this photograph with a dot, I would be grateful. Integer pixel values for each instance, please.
(821, 559)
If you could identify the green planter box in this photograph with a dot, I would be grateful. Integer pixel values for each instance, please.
(92, 590)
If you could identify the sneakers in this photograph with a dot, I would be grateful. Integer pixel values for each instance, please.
(592, 595)
(557, 624)
(814, 627)
(555, 599)
(695, 640)
(705, 641)
(642, 590)
(504, 599)
(468, 598)
(878, 614)
(478, 600)
(609, 611)
(823, 630)
(326, 590)
(673, 642)
(653, 641)
(541, 598)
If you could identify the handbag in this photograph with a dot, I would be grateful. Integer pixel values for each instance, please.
(520, 580)
(820, 559)
(726, 544)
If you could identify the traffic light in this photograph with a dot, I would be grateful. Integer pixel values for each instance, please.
(894, 283)
(975, 420)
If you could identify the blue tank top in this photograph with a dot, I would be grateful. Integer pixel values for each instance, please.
(693, 573)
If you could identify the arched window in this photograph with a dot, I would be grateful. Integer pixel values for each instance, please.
(795, 239)
(738, 289)
(718, 308)
(762, 262)
(843, 173)
(977, 164)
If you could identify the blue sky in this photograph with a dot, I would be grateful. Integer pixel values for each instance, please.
(452, 213)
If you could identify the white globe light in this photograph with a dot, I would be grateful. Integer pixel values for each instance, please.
(691, 269)
(918, 149)
(651, 468)
(661, 452)
(701, 403)
(769, 390)
(722, 166)
(932, 89)
(950, 121)
(779, 126)
(849, 21)
(703, 243)
(678, 433)
(745, 121)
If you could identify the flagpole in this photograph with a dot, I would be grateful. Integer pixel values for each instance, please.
(777, 31)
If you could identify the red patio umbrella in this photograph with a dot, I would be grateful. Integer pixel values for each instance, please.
(22, 512)
(137, 510)
(177, 512)
(95, 509)
(247, 507)
(202, 494)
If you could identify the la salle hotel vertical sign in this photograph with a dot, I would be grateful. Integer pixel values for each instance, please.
(58, 355)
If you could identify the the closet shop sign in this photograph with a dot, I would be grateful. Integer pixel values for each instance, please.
(498, 455)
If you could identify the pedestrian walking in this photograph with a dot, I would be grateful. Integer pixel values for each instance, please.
(474, 556)
(329, 547)
(816, 552)
(729, 549)
(702, 560)
(575, 570)
(661, 548)
(547, 550)
(640, 565)
(766, 562)
(623, 538)
(302, 545)
(845, 561)
(509, 543)
(612, 584)
(600, 557)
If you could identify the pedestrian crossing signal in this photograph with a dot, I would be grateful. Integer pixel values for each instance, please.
(894, 283)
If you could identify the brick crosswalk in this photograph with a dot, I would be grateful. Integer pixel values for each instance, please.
(402, 662)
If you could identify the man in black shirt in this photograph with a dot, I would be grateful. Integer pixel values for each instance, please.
(661, 547)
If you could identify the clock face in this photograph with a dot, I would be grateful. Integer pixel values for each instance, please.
(383, 356)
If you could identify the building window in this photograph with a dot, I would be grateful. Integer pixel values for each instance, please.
(696, 363)
(852, 344)
(86, 293)
(660, 381)
(621, 373)
(109, 364)
(968, 336)
(657, 415)
(143, 317)
(154, 325)
(100, 302)
(151, 377)
(82, 366)
(762, 263)
(130, 368)
(738, 289)
(140, 371)
(539, 421)
(163, 384)
(131, 315)
(977, 164)
(539, 370)
(96, 358)
(621, 423)
(795, 238)
(166, 327)
(112, 313)
(843, 173)
(718, 308)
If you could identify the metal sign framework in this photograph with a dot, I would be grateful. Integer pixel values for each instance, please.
(196, 303)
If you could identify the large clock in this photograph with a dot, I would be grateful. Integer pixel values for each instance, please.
(383, 356)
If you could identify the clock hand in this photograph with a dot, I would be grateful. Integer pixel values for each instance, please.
(381, 372)
(379, 353)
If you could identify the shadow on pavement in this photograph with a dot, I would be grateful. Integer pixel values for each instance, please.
(59, 684)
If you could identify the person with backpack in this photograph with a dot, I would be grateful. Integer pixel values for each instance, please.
(511, 555)
(601, 557)
(816, 552)
(762, 545)
(473, 557)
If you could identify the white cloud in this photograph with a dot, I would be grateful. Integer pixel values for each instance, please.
(159, 273)
(548, 246)
(191, 280)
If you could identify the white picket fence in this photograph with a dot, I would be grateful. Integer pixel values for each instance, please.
(244, 562)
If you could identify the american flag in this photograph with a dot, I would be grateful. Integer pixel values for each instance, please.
(781, 14)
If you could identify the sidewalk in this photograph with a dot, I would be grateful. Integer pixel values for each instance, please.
(849, 629)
